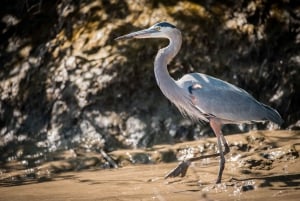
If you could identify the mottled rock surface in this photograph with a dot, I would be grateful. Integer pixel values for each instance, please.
(66, 84)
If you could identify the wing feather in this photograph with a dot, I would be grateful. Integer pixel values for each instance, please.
(225, 101)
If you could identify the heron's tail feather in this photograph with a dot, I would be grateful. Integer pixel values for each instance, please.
(273, 115)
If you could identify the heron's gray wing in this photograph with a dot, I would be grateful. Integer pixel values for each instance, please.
(228, 105)
(225, 101)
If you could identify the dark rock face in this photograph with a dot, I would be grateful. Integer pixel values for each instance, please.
(65, 82)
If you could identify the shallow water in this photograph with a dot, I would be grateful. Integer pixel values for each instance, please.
(267, 168)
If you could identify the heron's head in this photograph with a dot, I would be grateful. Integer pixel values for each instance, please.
(159, 30)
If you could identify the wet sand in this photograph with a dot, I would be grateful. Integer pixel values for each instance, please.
(261, 166)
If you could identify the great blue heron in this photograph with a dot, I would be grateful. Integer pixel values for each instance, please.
(202, 97)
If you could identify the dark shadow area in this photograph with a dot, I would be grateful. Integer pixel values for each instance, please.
(31, 179)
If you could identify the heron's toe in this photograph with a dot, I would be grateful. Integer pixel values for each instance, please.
(180, 170)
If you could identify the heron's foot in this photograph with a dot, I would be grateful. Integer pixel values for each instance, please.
(181, 169)
(218, 181)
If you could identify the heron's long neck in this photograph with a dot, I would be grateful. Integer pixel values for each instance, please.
(163, 57)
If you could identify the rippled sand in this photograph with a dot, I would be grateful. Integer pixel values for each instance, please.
(261, 166)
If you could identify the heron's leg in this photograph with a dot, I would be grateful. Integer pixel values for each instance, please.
(182, 167)
(216, 126)
(226, 146)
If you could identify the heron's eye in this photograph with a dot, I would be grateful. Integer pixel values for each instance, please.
(157, 28)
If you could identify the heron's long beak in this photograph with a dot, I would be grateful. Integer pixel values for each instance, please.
(145, 33)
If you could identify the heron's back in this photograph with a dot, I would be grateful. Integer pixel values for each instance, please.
(226, 101)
